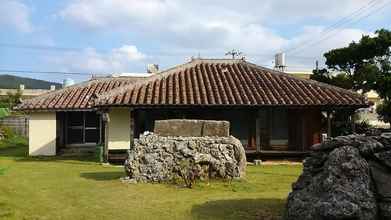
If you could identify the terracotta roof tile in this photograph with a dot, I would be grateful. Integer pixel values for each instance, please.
(211, 82)
(79, 96)
(200, 82)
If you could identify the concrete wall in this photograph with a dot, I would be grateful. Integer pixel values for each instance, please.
(42, 134)
(119, 129)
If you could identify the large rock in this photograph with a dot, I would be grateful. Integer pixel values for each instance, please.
(347, 177)
(155, 158)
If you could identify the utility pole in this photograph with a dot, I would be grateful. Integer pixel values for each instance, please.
(234, 54)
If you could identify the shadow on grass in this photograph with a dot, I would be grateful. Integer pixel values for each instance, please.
(240, 209)
(277, 174)
(20, 153)
(17, 148)
(5, 211)
(103, 176)
(66, 159)
(13, 147)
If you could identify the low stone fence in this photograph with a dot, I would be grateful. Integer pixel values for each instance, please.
(347, 177)
(18, 124)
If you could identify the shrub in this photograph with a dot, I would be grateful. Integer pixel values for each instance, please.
(384, 111)
(363, 127)
(189, 172)
(7, 132)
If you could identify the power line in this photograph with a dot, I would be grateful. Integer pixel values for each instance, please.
(326, 37)
(160, 53)
(338, 24)
(46, 72)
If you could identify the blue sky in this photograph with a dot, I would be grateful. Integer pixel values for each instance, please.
(102, 36)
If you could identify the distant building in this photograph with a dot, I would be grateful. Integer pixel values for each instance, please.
(367, 115)
(26, 93)
(300, 74)
(28, 86)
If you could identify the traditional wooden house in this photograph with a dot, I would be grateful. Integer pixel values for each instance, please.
(269, 111)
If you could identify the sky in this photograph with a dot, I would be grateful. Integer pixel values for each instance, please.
(111, 36)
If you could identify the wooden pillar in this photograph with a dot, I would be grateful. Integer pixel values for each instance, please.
(252, 130)
(132, 125)
(258, 131)
(328, 124)
(106, 120)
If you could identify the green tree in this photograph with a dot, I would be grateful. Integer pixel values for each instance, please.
(364, 65)
(11, 99)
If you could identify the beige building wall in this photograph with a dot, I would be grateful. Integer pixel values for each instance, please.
(42, 134)
(119, 129)
(300, 74)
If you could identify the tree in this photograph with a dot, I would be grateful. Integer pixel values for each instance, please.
(362, 66)
(11, 99)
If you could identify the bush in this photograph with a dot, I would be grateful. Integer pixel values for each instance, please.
(189, 172)
(363, 127)
(7, 132)
(384, 111)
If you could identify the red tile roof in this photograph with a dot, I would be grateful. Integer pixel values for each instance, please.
(79, 96)
(201, 82)
(228, 82)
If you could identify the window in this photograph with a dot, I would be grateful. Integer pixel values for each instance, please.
(82, 128)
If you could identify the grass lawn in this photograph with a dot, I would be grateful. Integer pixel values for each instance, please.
(61, 188)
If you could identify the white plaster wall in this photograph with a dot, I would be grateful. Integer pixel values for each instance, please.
(119, 129)
(42, 134)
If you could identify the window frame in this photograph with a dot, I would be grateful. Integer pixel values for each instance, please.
(83, 129)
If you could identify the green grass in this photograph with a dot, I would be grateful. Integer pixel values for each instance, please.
(62, 188)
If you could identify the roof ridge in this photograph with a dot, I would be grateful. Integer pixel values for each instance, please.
(156, 76)
(167, 72)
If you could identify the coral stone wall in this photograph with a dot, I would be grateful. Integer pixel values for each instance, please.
(347, 177)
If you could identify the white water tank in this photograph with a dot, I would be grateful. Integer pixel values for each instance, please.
(152, 68)
(67, 82)
(280, 60)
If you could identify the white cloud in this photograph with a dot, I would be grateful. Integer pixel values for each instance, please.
(212, 27)
(314, 41)
(127, 13)
(115, 13)
(15, 14)
(179, 24)
(121, 59)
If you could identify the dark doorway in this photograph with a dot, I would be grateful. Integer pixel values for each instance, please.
(82, 128)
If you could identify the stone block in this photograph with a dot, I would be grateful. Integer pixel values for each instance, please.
(178, 127)
(191, 128)
(215, 128)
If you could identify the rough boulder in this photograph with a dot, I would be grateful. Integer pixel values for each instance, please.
(347, 177)
(155, 158)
